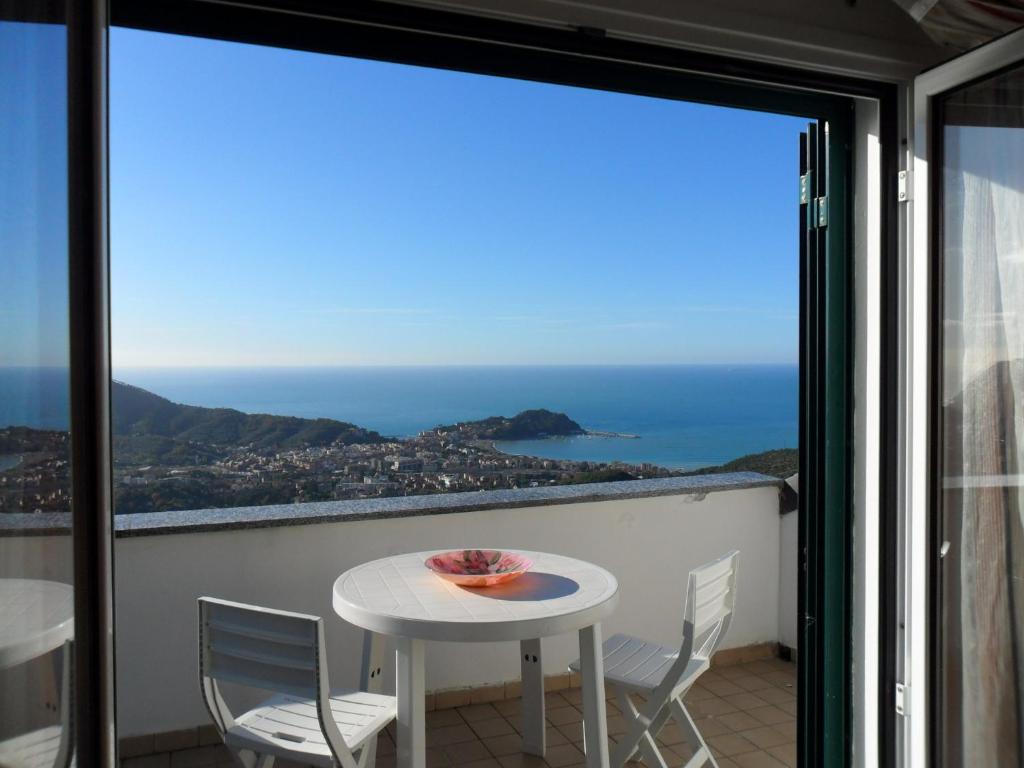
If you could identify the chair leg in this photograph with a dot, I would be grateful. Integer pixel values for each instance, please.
(701, 751)
(637, 738)
(368, 754)
(246, 758)
(647, 747)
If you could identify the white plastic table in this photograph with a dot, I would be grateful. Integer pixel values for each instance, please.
(38, 616)
(398, 596)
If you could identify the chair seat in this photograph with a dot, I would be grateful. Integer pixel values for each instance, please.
(37, 749)
(287, 726)
(640, 665)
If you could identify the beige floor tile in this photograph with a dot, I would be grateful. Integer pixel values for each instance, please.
(478, 712)
(436, 758)
(563, 715)
(787, 729)
(757, 760)
(449, 734)
(509, 744)
(745, 700)
(698, 692)
(775, 695)
(497, 726)
(739, 721)
(786, 754)
(765, 737)
(708, 707)
(563, 755)
(509, 707)
(553, 738)
(521, 761)
(554, 699)
(769, 715)
(571, 731)
(752, 683)
(442, 717)
(722, 687)
(466, 751)
(712, 726)
(731, 744)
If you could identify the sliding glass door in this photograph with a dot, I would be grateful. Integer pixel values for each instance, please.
(972, 113)
(36, 573)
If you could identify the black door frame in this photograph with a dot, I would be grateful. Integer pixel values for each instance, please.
(441, 39)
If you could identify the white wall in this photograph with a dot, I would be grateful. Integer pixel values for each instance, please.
(788, 579)
(650, 545)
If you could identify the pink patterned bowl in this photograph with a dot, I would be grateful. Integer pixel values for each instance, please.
(479, 567)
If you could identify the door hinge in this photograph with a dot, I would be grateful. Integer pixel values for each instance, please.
(902, 705)
(821, 212)
(903, 186)
(805, 188)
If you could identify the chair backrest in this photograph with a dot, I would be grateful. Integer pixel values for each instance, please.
(260, 647)
(710, 599)
(264, 648)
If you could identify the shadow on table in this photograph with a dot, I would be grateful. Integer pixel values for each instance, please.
(530, 586)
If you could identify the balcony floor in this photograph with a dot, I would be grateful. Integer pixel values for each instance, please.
(746, 713)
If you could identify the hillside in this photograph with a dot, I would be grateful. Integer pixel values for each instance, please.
(151, 425)
(527, 425)
(781, 462)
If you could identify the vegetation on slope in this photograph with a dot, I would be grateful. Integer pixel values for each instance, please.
(528, 425)
(141, 414)
(780, 462)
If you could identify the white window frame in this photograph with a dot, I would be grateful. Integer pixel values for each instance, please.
(916, 406)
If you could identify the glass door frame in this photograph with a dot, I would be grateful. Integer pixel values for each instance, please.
(921, 402)
(591, 58)
(93, 705)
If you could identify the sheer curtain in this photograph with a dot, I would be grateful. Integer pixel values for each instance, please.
(982, 575)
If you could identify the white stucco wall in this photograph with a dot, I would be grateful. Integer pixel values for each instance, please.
(650, 544)
(788, 578)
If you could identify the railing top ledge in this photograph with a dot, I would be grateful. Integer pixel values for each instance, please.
(200, 520)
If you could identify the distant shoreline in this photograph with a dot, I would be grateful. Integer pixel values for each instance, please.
(10, 461)
(605, 433)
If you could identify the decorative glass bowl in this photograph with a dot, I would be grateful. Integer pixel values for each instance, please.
(479, 567)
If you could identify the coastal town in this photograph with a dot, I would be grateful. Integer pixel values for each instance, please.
(436, 461)
(169, 456)
(433, 462)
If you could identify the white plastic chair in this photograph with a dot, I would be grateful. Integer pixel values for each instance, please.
(283, 652)
(662, 675)
(48, 747)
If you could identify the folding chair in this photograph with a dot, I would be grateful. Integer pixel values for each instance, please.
(662, 675)
(283, 652)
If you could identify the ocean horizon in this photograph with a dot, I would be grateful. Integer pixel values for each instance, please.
(686, 416)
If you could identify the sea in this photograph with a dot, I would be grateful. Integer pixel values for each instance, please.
(682, 416)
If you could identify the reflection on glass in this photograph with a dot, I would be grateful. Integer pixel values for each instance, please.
(36, 598)
(981, 655)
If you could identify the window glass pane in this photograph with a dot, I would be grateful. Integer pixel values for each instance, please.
(981, 669)
(35, 546)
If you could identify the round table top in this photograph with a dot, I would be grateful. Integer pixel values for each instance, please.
(38, 616)
(399, 596)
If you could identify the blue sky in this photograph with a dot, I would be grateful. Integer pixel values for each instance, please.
(33, 195)
(273, 207)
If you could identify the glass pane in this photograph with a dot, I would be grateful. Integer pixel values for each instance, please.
(981, 669)
(35, 546)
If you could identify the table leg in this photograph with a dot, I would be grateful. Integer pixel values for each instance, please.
(412, 742)
(534, 727)
(373, 662)
(595, 724)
